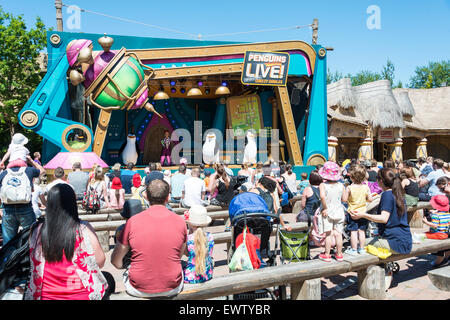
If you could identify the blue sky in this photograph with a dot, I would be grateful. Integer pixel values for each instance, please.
(412, 32)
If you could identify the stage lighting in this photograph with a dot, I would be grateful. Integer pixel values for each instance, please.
(182, 90)
(194, 92)
(222, 90)
(207, 91)
(173, 89)
(173, 82)
(161, 95)
(200, 83)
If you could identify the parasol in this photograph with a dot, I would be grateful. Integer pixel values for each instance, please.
(66, 160)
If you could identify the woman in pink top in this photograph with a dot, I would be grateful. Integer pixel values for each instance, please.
(65, 254)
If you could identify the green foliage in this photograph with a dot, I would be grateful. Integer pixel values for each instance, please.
(388, 72)
(19, 72)
(431, 76)
(365, 76)
(333, 77)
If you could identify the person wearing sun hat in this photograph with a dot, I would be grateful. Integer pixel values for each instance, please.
(199, 249)
(439, 227)
(332, 218)
(17, 152)
(116, 194)
(137, 188)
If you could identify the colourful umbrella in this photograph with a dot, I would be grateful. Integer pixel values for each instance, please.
(66, 160)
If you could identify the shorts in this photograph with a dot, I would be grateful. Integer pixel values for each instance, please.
(355, 225)
(327, 224)
(158, 296)
(381, 243)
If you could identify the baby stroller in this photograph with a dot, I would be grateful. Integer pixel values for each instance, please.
(249, 210)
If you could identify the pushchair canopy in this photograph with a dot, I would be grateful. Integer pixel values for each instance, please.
(247, 202)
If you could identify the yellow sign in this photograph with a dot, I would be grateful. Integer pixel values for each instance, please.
(244, 113)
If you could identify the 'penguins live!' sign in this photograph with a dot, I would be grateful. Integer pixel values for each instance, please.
(265, 68)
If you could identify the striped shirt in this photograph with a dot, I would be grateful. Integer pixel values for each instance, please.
(441, 220)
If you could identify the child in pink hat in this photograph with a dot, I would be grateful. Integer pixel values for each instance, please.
(439, 227)
(331, 221)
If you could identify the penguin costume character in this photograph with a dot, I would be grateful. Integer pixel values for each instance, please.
(210, 149)
(130, 149)
(250, 149)
(130, 153)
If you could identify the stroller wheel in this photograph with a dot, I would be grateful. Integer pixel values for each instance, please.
(396, 267)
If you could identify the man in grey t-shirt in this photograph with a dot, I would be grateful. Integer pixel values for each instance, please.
(78, 180)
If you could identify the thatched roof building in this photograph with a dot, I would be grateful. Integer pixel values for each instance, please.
(378, 106)
(413, 114)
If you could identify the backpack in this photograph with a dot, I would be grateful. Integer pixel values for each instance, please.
(15, 259)
(91, 199)
(319, 238)
(16, 187)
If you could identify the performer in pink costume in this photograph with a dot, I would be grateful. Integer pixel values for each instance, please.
(166, 150)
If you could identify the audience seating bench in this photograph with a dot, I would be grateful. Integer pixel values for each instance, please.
(304, 277)
(440, 278)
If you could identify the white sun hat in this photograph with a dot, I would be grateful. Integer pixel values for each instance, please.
(19, 139)
(198, 216)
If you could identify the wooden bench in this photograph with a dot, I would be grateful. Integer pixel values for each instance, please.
(176, 210)
(415, 214)
(304, 277)
(440, 278)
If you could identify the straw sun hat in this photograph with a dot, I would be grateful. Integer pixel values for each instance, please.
(197, 216)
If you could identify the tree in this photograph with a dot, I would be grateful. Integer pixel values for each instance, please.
(365, 76)
(434, 75)
(333, 77)
(19, 70)
(388, 71)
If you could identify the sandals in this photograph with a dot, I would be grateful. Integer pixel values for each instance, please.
(434, 265)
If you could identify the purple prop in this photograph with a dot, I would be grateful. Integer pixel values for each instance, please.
(74, 47)
(100, 63)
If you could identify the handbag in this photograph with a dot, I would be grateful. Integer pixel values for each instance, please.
(240, 260)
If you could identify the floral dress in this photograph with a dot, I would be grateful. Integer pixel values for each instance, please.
(190, 275)
(83, 261)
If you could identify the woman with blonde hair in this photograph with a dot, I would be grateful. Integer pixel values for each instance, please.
(199, 246)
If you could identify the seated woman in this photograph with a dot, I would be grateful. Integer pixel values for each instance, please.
(65, 254)
(392, 218)
(225, 188)
(199, 247)
(247, 172)
(291, 180)
(116, 194)
(310, 198)
(411, 186)
(98, 184)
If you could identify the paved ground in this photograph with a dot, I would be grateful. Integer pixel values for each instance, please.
(410, 283)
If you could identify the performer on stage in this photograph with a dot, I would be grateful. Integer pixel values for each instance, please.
(166, 150)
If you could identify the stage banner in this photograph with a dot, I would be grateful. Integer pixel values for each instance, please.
(265, 68)
(244, 113)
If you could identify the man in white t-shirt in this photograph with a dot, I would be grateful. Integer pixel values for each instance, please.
(194, 190)
(59, 178)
